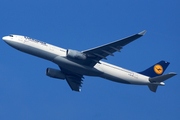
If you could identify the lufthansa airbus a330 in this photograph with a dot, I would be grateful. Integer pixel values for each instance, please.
(76, 64)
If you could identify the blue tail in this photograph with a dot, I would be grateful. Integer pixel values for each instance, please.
(156, 70)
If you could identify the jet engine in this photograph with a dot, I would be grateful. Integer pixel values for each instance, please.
(54, 73)
(75, 54)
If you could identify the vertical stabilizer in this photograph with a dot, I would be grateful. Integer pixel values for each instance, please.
(156, 70)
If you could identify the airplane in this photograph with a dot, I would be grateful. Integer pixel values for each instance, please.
(75, 64)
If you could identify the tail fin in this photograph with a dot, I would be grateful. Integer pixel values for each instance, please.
(156, 70)
(155, 73)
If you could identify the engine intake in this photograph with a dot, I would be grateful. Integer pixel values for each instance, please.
(75, 54)
(54, 73)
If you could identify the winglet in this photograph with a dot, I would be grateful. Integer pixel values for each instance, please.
(142, 33)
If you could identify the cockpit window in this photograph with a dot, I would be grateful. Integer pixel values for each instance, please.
(11, 35)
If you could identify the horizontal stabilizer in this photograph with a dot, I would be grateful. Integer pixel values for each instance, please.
(152, 87)
(159, 81)
(162, 77)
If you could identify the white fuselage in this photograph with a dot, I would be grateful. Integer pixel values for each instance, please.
(58, 56)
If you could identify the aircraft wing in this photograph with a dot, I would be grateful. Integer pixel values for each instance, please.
(74, 82)
(103, 51)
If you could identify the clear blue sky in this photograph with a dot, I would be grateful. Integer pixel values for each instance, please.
(26, 93)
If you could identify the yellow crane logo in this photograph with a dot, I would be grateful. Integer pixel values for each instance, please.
(158, 69)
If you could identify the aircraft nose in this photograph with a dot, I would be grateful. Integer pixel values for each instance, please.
(6, 38)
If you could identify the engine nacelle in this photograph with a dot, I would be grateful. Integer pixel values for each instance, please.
(75, 54)
(54, 73)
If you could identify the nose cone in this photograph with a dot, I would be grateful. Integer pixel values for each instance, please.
(7, 39)
(4, 38)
